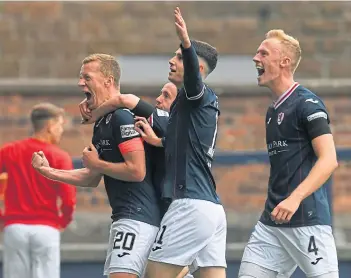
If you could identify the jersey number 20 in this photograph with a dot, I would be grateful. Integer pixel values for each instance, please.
(124, 241)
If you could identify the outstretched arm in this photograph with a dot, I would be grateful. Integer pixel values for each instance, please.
(80, 177)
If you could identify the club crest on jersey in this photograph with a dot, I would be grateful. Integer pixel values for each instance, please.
(280, 118)
(108, 118)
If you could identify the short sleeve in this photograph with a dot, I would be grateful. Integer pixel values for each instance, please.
(315, 118)
(123, 126)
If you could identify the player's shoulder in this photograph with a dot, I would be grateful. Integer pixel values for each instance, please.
(121, 115)
(210, 98)
(306, 95)
(10, 145)
(20, 144)
(210, 92)
(308, 99)
(122, 112)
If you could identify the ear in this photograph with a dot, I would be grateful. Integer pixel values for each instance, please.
(109, 81)
(49, 126)
(202, 69)
(285, 62)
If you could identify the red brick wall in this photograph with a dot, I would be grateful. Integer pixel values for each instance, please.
(242, 188)
(49, 39)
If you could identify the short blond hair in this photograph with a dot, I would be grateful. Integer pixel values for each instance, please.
(108, 65)
(291, 45)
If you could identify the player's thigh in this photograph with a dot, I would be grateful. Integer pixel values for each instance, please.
(251, 270)
(45, 250)
(163, 270)
(186, 228)
(129, 247)
(213, 254)
(312, 247)
(16, 251)
(264, 249)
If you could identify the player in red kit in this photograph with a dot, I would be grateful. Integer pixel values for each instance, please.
(31, 218)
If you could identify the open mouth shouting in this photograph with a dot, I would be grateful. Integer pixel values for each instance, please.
(260, 70)
(90, 97)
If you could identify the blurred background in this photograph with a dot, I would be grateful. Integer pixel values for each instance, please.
(43, 43)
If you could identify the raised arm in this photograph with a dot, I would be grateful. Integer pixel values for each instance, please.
(80, 177)
(193, 84)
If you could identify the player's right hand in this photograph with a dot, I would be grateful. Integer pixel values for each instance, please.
(39, 160)
(181, 29)
(143, 127)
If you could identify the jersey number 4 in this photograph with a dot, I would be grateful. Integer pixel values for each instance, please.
(312, 246)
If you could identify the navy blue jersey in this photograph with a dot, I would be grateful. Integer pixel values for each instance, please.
(128, 200)
(158, 121)
(191, 137)
(288, 136)
(155, 156)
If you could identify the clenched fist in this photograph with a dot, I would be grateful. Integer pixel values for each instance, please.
(39, 160)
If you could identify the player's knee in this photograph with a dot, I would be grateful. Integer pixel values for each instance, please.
(334, 274)
(123, 275)
(184, 273)
(251, 270)
(210, 272)
(162, 270)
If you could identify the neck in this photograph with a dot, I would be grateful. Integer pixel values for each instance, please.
(43, 137)
(112, 93)
(280, 85)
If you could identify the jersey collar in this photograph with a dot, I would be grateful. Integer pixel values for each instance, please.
(285, 96)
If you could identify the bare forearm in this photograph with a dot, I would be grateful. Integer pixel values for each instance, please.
(121, 171)
(157, 142)
(319, 174)
(80, 177)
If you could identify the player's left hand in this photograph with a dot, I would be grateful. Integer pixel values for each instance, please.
(90, 157)
(283, 212)
(85, 112)
(143, 127)
(181, 29)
